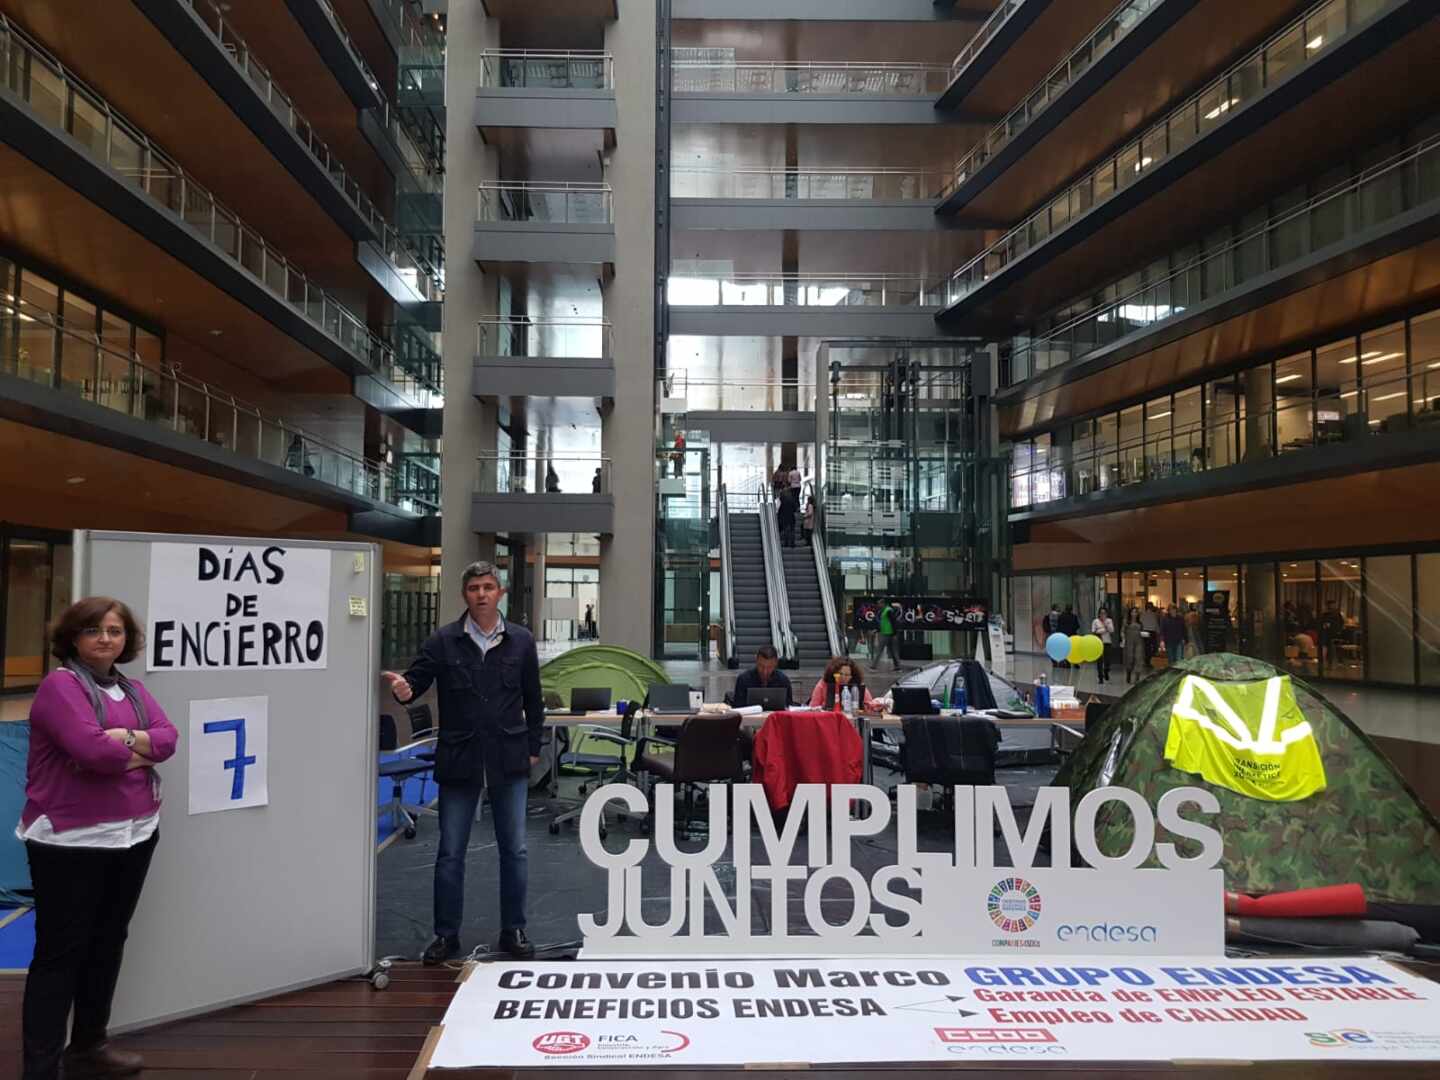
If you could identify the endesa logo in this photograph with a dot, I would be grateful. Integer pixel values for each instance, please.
(561, 1042)
(1100, 933)
(1338, 1040)
(994, 1036)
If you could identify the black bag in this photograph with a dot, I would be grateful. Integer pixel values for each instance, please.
(955, 750)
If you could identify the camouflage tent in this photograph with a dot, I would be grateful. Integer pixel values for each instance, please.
(1367, 826)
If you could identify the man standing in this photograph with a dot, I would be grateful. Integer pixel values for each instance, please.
(491, 715)
(890, 614)
(765, 674)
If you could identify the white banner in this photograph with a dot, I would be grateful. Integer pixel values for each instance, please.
(237, 608)
(866, 1011)
(229, 749)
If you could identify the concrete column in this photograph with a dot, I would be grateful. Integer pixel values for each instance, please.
(537, 587)
(470, 425)
(627, 558)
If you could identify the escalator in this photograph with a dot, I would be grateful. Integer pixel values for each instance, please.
(751, 613)
(807, 607)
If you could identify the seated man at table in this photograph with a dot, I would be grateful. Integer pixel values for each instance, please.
(843, 679)
(765, 675)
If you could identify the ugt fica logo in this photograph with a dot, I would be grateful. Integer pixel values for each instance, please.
(1013, 905)
(561, 1042)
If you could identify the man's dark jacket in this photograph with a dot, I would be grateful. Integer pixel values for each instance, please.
(750, 680)
(491, 711)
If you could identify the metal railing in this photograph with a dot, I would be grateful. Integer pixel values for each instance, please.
(803, 290)
(542, 474)
(775, 593)
(96, 371)
(738, 395)
(827, 78)
(565, 338)
(822, 572)
(1112, 29)
(570, 69)
(1378, 193)
(1288, 425)
(988, 29)
(727, 579)
(1279, 57)
(889, 185)
(417, 478)
(570, 204)
(65, 102)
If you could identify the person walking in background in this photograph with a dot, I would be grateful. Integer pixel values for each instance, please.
(780, 481)
(677, 454)
(1172, 629)
(890, 613)
(1133, 644)
(786, 515)
(1069, 625)
(797, 481)
(491, 717)
(90, 824)
(596, 482)
(1103, 627)
(552, 479)
(1051, 625)
(808, 522)
(1194, 630)
(1150, 627)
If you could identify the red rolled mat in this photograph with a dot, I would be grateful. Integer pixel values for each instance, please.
(1328, 900)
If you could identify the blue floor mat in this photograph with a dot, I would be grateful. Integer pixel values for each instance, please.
(419, 791)
(17, 941)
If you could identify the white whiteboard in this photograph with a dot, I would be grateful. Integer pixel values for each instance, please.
(255, 901)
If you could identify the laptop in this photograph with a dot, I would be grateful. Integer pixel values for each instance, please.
(912, 701)
(769, 698)
(585, 699)
(669, 699)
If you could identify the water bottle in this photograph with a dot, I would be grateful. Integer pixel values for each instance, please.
(959, 699)
(847, 700)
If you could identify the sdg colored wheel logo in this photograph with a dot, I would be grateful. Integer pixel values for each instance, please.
(1013, 905)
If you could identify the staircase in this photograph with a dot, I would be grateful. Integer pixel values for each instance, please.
(807, 612)
(752, 605)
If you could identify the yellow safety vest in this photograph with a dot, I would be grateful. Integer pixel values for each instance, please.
(1249, 737)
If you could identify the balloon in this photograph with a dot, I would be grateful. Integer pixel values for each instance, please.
(1057, 647)
(1094, 647)
(1077, 649)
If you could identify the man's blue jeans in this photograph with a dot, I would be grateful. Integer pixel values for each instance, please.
(457, 814)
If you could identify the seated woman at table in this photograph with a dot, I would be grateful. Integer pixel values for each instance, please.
(841, 673)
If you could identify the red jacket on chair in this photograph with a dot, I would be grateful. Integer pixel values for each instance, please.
(805, 748)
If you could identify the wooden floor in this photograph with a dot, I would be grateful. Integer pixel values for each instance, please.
(348, 1030)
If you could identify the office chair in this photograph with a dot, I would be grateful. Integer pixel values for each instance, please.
(950, 751)
(705, 751)
(404, 767)
(618, 768)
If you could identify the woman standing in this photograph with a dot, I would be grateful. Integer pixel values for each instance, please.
(842, 678)
(1103, 627)
(92, 807)
(1134, 646)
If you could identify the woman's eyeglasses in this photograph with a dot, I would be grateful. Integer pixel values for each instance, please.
(113, 632)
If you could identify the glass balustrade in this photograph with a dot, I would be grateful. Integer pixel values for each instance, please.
(31, 339)
(564, 338)
(888, 185)
(1318, 30)
(560, 204)
(417, 480)
(1100, 41)
(787, 290)
(574, 69)
(535, 474)
(988, 29)
(884, 79)
(58, 98)
(1377, 194)
(738, 395)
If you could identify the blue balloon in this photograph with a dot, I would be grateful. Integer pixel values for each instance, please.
(1057, 647)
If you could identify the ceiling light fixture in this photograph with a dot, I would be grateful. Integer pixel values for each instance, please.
(1315, 42)
(74, 480)
(1289, 378)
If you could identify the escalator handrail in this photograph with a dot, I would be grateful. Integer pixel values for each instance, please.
(727, 591)
(775, 575)
(827, 595)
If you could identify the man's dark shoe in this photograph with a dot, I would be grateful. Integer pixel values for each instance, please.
(101, 1060)
(440, 950)
(516, 944)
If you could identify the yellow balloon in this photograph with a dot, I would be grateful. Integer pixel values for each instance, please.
(1077, 649)
(1094, 647)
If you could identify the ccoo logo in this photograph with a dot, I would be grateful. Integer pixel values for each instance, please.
(561, 1042)
(1013, 905)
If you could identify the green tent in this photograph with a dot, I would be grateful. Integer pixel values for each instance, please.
(628, 674)
(1366, 826)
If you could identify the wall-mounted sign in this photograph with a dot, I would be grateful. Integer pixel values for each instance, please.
(236, 607)
(229, 750)
(924, 612)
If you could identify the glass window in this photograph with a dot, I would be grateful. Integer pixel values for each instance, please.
(61, 555)
(1188, 436)
(1427, 615)
(1160, 588)
(78, 345)
(1082, 457)
(35, 357)
(1336, 391)
(1338, 620)
(1299, 617)
(1219, 609)
(1222, 415)
(1159, 414)
(1132, 445)
(1107, 441)
(1382, 377)
(1388, 630)
(1039, 608)
(27, 611)
(1293, 388)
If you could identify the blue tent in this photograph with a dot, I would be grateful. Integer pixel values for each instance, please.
(14, 868)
